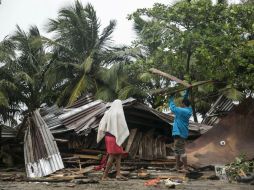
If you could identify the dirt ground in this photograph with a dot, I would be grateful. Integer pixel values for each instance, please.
(201, 183)
(126, 185)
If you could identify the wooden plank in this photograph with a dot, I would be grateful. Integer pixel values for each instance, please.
(82, 156)
(168, 90)
(149, 163)
(135, 145)
(91, 151)
(131, 139)
(155, 150)
(168, 76)
(61, 140)
(147, 145)
(59, 179)
(163, 149)
(159, 148)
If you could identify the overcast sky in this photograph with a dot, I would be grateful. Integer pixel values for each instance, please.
(36, 12)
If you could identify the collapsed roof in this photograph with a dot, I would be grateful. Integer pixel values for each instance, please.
(7, 132)
(220, 108)
(87, 116)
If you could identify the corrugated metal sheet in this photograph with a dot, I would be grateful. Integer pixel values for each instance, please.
(199, 128)
(220, 108)
(87, 117)
(41, 153)
(7, 132)
(82, 120)
(232, 136)
(82, 101)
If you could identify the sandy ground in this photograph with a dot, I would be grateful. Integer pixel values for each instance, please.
(118, 185)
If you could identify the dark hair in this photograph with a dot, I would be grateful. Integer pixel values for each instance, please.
(186, 102)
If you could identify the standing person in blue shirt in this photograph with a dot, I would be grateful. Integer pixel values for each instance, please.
(180, 129)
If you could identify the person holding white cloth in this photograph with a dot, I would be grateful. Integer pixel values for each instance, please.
(114, 128)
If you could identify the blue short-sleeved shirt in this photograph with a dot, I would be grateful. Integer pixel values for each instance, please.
(181, 121)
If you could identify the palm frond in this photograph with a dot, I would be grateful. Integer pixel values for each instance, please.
(88, 63)
(94, 25)
(7, 51)
(3, 100)
(79, 88)
(7, 85)
(139, 24)
(24, 77)
(145, 77)
(106, 33)
(129, 91)
(64, 94)
(105, 94)
(232, 93)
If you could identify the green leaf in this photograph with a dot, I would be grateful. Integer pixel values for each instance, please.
(125, 92)
(250, 43)
(7, 85)
(3, 100)
(105, 94)
(232, 93)
(88, 64)
(78, 90)
(22, 76)
(145, 77)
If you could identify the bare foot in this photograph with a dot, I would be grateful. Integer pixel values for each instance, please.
(106, 179)
(121, 178)
(174, 169)
(184, 170)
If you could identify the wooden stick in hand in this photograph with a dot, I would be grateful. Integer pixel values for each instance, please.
(168, 76)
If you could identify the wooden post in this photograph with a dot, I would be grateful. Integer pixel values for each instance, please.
(80, 168)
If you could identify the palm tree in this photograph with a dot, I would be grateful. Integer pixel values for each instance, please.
(25, 64)
(80, 54)
(8, 90)
(152, 56)
(8, 99)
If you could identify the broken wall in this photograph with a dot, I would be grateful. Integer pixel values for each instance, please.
(232, 136)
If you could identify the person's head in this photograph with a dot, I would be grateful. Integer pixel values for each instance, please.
(185, 103)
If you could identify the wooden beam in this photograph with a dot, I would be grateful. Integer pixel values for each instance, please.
(166, 90)
(131, 139)
(168, 76)
(61, 140)
(83, 156)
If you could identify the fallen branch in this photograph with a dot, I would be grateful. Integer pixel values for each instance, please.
(168, 90)
(168, 76)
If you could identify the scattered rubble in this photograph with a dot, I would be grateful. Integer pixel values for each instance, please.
(149, 145)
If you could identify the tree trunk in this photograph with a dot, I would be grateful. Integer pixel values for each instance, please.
(192, 94)
(193, 107)
(188, 61)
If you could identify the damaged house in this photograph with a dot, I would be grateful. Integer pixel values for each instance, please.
(53, 136)
(75, 128)
(72, 132)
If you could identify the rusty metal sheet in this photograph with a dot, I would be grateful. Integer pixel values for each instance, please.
(232, 136)
(219, 109)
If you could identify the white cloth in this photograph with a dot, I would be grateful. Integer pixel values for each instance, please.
(114, 123)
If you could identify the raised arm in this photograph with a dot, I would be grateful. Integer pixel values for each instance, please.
(186, 94)
(172, 105)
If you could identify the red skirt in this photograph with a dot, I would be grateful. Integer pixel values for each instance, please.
(111, 146)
